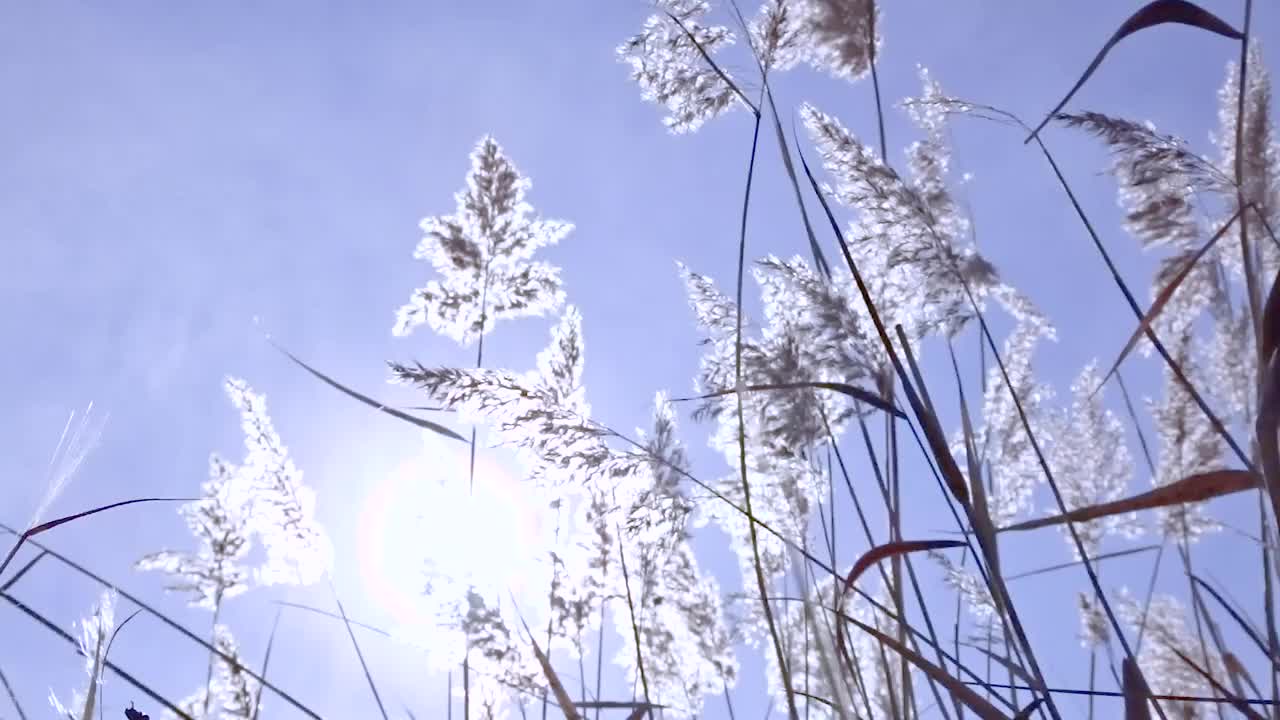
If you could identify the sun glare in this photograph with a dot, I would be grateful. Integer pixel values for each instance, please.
(423, 514)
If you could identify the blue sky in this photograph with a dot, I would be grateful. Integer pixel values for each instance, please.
(171, 173)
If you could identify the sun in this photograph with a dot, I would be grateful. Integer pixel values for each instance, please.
(423, 512)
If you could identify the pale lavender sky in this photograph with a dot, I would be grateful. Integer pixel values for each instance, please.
(170, 173)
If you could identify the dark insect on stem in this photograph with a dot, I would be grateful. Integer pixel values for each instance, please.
(133, 714)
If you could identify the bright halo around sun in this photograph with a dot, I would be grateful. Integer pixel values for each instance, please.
(422, 514)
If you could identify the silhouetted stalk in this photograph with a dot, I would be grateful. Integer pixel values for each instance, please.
(13, 698)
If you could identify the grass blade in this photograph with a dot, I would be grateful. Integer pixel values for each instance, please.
(1152, 14)
(1025, 712)
(1095, 558)
(334, 616)
(117, 630)
(1271, 321)
(819, 259)
(633, 706)
(1237, 671)
(13, 697)
(1248, 628)
(1265, 427)
(1015, 669)
(557, 687)
(1162, 299)
(359, 655)
(880, 552)
(959, 690)
(1240, 706)
(1192, 489)
(8, 585)
(981, 516)
(266, 661)
(393, 412)
(51, 524)
(111, 641)
(723, 76)
(1114, 694)
(1135, 692)
(852, 391)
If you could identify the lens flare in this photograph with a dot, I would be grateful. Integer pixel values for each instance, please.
(423, 515)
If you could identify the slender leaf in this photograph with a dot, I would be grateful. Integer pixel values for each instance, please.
(8, 585)
(13, 697)
(1240, 705)
(1265, 427)
(368, 676)
(1192, 489)
(1025, 713)
(1152, 14)
(1163, 297)
(980, 518)
(959, 690)
(887, 550)
(1271, 321)
(1248, 629)
(1238, 672)
(705, 56)
(617, 705)
(1073, 563)
(852, 391)
(393, 412)
(334, 616)
(107, 652)
(557, 688)
(51, 524)
(266, 662)
(1115, 694)
(1135, 692)
(819, 259)
(1014, 668)
(118, 628)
